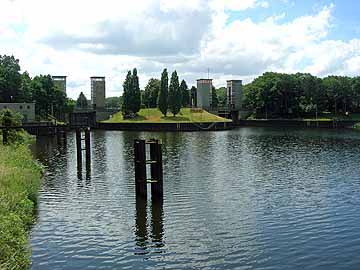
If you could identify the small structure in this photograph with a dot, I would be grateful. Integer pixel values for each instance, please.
(203, 93)
(26, 109)
(234, 94)
(60, 83)
(97, 92)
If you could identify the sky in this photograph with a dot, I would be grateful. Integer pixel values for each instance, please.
(233, 39)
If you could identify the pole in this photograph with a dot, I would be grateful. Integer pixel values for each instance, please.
(87, 146)
(140, 168)
(78, 147)
(156, 170)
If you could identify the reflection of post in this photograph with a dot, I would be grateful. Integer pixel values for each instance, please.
(141, 220)
(140, 168)
(157, 229)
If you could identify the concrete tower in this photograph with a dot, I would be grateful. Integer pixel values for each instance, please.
(234, 94)
(60, 83)
(203, 93)
(97, 92)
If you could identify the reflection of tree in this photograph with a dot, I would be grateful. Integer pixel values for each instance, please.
(157, 229)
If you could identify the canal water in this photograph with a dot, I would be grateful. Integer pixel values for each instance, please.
(249, 198)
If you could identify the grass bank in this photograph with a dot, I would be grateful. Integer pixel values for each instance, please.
(20, 178)
(186, 115)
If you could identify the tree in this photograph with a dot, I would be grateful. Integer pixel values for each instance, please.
(25, 91)
(135, 93)
(163, 95)
(174, 94)
(151, 93)
(81, 102)
(214, 98)
(185, 96)
(127, 85)
(11, 118)
(10, 78)
(113, 102)
(221, 95)
(193, 98)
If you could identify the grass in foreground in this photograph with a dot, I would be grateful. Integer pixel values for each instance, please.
(186, 115)
(19, 183)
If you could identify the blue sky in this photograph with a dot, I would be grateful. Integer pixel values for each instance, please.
(345, 17)
(235, 39)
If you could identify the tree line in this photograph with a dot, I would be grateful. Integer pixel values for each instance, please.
(294, 95)
(167, 97)
(20, 87)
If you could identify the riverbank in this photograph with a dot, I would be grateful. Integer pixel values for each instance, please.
(153, 120)
(297, 123)
(20, 178)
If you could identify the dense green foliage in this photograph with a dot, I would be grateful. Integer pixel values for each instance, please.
(292, 95)
(20, 87)
(11, 119)
(151, 93)
(113, 102)
(221, 95)
(174, 99)
(214, 98)
(132, 94)
(163, 95)
(185, 94)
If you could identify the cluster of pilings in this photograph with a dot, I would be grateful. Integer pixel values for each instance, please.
(156, 168)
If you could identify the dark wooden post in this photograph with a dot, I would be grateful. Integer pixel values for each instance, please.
(78, 147)
(87, 146)
(5, 136)
(156, 170)
(140, 167)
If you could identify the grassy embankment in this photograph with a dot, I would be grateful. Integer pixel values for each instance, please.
(19, 183)
(186, 115)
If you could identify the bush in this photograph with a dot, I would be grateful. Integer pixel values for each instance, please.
(19, 182)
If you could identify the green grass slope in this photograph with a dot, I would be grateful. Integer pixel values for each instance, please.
(186, 115)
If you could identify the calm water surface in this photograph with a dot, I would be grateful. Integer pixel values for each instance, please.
(249, 198)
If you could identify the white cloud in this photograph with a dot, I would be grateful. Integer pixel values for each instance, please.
(80, 39)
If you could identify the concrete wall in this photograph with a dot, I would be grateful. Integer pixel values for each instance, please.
(234, 94)
(98, 92)
(60, 83)
(26, 109)
(203, 93)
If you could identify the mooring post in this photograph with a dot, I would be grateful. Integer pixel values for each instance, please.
(87, 146)
(78, 147)
(5, 136)
(156, 169)
(140, 167)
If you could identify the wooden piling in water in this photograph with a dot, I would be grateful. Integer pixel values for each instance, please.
(87, 146)
(156, 169)
(140, 167)
(78, 148)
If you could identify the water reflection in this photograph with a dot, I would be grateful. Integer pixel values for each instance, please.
(142, 240)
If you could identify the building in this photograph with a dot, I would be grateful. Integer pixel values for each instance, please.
(234, 94)
(97, 92)
(26, 109)
(203, 93)
(60, 83)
